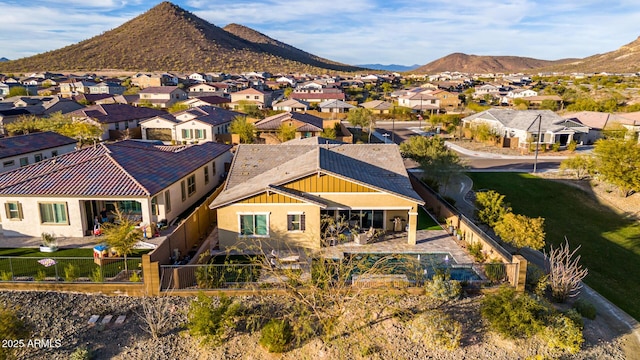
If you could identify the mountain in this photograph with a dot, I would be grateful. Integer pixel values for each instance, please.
(3, 59)
(626, 59)
(484, 64)
(390, 67)
(169, 38)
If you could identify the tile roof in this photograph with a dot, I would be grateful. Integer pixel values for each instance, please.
(126, 168)
(377, 105)
(211, 115)
(257, 168)
(592, 119)
(110, 113)
(520, 119)
(274, 122)
(330, 104)
(22, 144)
(158, 90)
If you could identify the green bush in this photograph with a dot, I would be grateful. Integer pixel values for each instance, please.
(209, 277)
(441, 287)
(81, 353)
(572, 146)
(135, 277)
(71, 272)
(40, 275)
(555, 147)
(475, 249)
(6, 275)
(585, 309)
(276, 336)
(575, 316)
(536, 281)
(513, 315)
(564, 334)
(11, 328)
(212, 323)
(436, 329)
(96, 275)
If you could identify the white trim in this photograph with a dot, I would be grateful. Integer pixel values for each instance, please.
(273, 204)
(240, 234)
(368, 208)
(413, 213)
(295, 212)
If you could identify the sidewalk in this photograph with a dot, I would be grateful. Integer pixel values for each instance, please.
(486, 155)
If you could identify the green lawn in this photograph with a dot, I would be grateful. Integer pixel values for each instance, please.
(610, 244)
(24, 263)
(425, 222)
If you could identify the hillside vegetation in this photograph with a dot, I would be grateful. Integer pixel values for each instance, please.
(169, 38)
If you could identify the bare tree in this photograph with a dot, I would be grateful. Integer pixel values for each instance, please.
(565, 272)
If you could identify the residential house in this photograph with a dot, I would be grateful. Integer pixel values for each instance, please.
(144, 81)
(286, 81)
(252, 96)
(10, 115)
(200, 77)
(377, 106)
(148, 183)
(204, 89)
(161, 96)
(486, 89)
(110, 88)
(317, 95)
(212, 100)
(521, 127)
(203, 123)
(116, 119)
(305, 125)
(630, 122)
(22, 150)
(291, 105)
(277, 195)
(5, 88)
(420, 102)
(596, 121)
(335, 106)
(72, 88)
(447, 101)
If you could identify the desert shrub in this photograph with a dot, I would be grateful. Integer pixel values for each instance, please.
(96, 275)
(81, 353)
(209, 277)
(6, 275)
(71, 272)
(536, 281)
(210, 322)
(564, 334)
(441, 287)
(495, 270)
(436, 329)
(572, 146)
(40, 275)
(585, 309)
(475, 249)
(555, 147)
(513, 315)
(276, 336)
(135, 277)
(575, 316)
(11, 328)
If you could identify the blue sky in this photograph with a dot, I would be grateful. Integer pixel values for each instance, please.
(354, 31)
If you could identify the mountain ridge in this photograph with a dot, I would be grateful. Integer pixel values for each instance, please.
(477, 64)
(178, 41)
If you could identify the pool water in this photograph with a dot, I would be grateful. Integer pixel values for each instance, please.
(415, 266)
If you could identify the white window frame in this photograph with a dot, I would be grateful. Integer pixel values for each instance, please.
(254, 214)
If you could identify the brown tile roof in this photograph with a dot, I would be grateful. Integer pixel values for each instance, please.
(274, 122)
(126, 168)
(158, 90)
(16, 145)
(110, 113)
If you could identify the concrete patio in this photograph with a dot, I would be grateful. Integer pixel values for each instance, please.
(428, 242)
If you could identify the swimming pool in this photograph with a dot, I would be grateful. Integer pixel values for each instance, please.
(417, 267)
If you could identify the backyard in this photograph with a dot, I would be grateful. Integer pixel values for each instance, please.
(610, 243)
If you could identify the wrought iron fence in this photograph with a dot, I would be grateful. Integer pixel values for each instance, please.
(210, 276)
(70, 269)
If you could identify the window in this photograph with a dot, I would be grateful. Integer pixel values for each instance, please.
(206, 175)
(201, 133)
(54, 153)
(254, 225)
(117, 126)
(183, 189)
(53, 213)
(187, 133)
(38, 157)
(154, 205)
(24, 161)
(8, 163)
(213, 164)
(191, 184)
(167, 202)
(14, 210)
(295, 222)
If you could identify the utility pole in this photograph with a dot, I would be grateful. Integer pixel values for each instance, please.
(535, 161)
